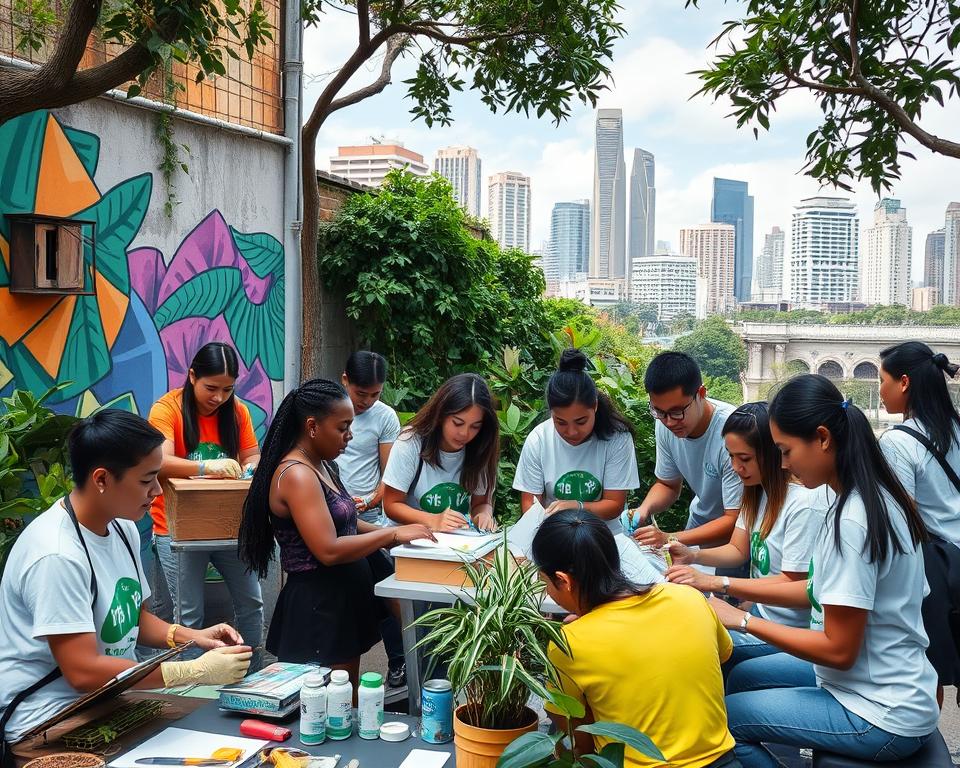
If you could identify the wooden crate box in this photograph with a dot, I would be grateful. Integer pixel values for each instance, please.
(204, 510)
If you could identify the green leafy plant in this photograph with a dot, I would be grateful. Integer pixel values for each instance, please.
(541, 750)
(495, 647)
(33, 461)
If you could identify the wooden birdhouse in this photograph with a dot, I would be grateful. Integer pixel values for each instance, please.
(47, 254)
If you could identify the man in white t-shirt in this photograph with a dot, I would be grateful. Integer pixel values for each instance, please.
(73, 598)
(690, 448)
(375, 429)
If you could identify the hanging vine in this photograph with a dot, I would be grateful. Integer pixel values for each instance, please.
(170, 159)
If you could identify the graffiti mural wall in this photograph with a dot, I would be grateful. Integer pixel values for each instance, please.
(133, 340)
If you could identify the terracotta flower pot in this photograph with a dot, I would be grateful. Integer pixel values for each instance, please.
(482, 747)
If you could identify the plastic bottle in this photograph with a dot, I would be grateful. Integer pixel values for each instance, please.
(339, 706)
(370, 705)
(313, 710)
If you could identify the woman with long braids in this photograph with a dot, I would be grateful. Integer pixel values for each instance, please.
(869, 692)
(924, 451)
(326, 611)
(207, 431)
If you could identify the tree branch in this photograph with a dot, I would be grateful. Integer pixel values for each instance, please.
(854, 42)
(363, 20)
(815, 86)
(427, 29)
(394, 49)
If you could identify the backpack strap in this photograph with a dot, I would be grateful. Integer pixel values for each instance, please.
(928, 444)
(416, 475)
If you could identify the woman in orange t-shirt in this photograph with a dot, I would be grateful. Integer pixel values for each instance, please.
(208, 432)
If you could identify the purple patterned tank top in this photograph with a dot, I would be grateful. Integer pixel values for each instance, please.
(295, 555)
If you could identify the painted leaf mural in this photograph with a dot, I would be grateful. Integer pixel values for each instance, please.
(134, 339)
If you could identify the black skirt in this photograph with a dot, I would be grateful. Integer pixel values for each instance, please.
(941, 608)
(328, 615)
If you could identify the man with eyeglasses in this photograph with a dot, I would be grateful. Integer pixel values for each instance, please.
(690, 448)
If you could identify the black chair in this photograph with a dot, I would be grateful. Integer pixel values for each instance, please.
(933, 754)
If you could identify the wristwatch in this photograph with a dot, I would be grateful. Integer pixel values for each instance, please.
(725, 589)
(744, 621)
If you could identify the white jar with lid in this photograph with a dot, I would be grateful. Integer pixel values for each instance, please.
(370, 705)
(339, 706)
(313, 710)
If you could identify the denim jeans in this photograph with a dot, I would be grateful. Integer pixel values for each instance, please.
(746, 646)
(244, 591)
(774, 699)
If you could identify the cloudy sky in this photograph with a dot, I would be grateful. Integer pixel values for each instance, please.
(692, 139)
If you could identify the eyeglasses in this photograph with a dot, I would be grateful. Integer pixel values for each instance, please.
(674, 415)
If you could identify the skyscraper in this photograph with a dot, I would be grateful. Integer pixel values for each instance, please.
(825, 239)
(887, 256)
(668, 282)
(770, 267)
(643, 205)
(568, 252)
(951, 257)
(508, 209)
(368, 164)
(733, 205)
(608, 257)
(933, 261)
(713, 246)
(461, 167)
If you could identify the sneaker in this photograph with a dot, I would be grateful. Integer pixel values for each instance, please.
(397, 675)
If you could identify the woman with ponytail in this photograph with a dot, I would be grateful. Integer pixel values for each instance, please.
(869, 692)
(925, 453)
(582, 457)
(207, 432)
(646, 655)
(326, 611)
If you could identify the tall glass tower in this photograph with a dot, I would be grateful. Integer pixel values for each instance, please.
(733, 205)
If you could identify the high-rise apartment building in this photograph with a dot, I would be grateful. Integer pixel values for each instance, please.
(933, 260)
(733, 205)
(825, 242)
(887, 256)
(508, 209)
(643, 205)
(713, 246)
(608, 256)
(568, 251)
(369, 164)
(668, 282)
(770, 266)
(461, 167)
(951, 257)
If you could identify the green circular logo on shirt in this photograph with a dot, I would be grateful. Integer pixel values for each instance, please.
(446, 496)
(124, 611)
(759, 554)
(578, 485)
(206, 452)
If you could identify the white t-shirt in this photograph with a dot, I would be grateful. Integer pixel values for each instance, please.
(788, 546)
(553, 469)
(46, 591)
(705, 465)
(437, 488)
(891, 684)
(359, 465)
(938, 500)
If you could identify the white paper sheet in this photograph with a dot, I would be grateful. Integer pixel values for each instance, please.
(448, 541)
(422, 758)
(638, 565)
(179, 742)
(520, 535)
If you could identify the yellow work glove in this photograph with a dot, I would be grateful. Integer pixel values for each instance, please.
(219, 666)
(222, 468)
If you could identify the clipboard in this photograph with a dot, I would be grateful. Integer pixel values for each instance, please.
(113, 687)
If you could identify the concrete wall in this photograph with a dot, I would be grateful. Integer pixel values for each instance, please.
(165, 285)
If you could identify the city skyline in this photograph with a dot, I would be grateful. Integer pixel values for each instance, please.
(608, 226)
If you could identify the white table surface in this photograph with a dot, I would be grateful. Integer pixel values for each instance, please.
(438, 593)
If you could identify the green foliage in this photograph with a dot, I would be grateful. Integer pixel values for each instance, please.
(714, 345)
(33, 461)
(722, 388)
(872, 66)
(895, 314)
(495, 646)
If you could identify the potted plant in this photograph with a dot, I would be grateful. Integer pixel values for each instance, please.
(541, 750)
(33, 461)
(495, 649)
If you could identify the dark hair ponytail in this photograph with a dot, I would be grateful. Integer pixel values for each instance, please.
(312, 398)
(928, 400)
(572, 384)
(810, 401)
(366, 369)
(213, 359)
(580, 544)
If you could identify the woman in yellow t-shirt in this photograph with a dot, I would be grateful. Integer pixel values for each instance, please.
(207, 432)
(647, 657)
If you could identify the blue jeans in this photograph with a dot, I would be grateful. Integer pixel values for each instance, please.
(774, 699)
(746, 646)
(244, 591)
